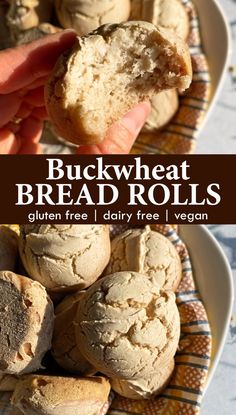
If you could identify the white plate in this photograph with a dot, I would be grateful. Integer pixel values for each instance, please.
(216, 45)
(214, 280)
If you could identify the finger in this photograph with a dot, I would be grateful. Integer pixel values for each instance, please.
(40, 113)
(24, 110)
(9, 144)
(35, 97)
(30, 148)
(121, 136)
(37, 83)
(30, 130)
(24, 64)
(13, 127)
(9, 105)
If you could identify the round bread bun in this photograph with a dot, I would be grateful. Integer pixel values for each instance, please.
(170, 14)
(147, 387)
(24, 14)
(54, 395)
(127, 327)
(27, 317)
(65, 349)
(65, 256)
(164, 106)
(85, 16)
(109, 71)
(149, 253)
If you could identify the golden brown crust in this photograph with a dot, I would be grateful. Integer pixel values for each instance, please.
(42, 392)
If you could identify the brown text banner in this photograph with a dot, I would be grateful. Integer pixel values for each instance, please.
(118, 189)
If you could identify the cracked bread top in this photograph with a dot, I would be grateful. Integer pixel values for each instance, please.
(26, 318)
(170, 14)
(126, 326)
(61, 256)
(86, 15)
(149, 253)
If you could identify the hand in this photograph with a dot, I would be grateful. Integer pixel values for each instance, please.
(24, 71)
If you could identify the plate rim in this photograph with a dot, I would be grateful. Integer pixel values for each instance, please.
(218, 352)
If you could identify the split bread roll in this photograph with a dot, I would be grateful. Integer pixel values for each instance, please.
(62, 256)
(54, 395)
(109, 71)
(26, 315)
(86, 15)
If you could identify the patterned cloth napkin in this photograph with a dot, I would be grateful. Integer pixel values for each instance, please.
(179, 136)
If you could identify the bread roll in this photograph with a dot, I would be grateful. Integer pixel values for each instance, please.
(54, 395)
(149, 253)
(86, 15)
(147, 387)
(109, 71)
(164, 106)
(26, 315)
(127, 327)
(24, 14)
(7, 382)
(65, 256)
(8, 249)
(170, 14)
(65, 349)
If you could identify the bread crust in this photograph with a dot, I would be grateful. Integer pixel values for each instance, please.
(81, 115)
(127, 327)
(85, 16)
(65, 349)
(170, 14)
(164, 106)
(149, 253)
(55, 394)
(26, 323)
(64, 256)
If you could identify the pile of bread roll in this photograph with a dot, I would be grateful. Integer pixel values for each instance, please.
(81, 314)
(31, 19)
